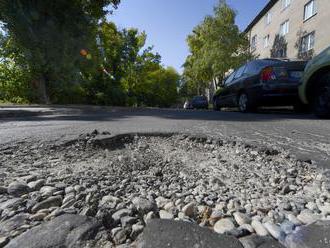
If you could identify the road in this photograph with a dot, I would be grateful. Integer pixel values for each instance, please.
(305, 136)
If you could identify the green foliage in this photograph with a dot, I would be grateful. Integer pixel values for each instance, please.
(279, 48)
(15, 80)
(216, 46)
(66, 52)
(51, 34)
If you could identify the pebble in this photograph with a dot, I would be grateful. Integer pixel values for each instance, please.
(3, 241)
(38, 216)
(189, 209)
(121, 213)
(294, 220)
(36, 185)
(53, 201)
(165, 215)
(224, 225)
(144, 205)
(241, 218)
(47, 191)
(308, 217)
(273, 229)
(252, 189)
(259, 228)
(18, 188)
(3, 190)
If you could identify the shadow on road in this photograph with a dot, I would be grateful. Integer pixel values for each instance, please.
(91, 113)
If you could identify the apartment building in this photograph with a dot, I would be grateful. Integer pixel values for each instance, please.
(291, 29)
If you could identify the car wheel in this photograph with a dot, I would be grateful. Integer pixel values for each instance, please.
(216, 107)
(299, 107)
(321, 104)
(244, 103)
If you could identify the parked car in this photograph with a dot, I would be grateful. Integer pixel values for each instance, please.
(315, 89)
(262, 82)
(187, 105)
(200, 102)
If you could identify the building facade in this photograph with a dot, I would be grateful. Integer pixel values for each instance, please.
(295, 29)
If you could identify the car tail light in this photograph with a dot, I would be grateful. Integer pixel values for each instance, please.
(268, 74)
(273, 73)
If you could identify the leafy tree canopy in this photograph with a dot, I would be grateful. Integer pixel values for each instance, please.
(216, 45)
(51, 34)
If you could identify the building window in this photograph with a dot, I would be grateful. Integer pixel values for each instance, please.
(266, 41)
(307, 42)
(309, 10)
(285, 3)
(254, 42)
(268, 18)
(284, 28)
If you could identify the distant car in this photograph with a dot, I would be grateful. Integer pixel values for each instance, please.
(315, 89)
(262, 82)
(187, 105)
(200, 102)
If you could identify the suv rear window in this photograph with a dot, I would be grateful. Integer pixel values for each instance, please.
(199, 98)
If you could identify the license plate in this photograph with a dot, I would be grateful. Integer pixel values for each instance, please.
(296, 74)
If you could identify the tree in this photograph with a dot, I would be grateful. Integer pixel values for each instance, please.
(51, 35)
(15, 76)
(279, 48)
(216, 45)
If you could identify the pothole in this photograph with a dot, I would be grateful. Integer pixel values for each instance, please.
(195, 179)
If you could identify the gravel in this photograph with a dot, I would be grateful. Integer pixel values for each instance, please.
(126, 181)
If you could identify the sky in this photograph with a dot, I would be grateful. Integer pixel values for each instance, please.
(168, 22)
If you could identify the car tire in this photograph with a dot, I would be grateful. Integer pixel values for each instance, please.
(321, 103)
(301, 108)
(244, 103)
(216, 107)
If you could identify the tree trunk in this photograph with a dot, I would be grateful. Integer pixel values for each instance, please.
(42, 88)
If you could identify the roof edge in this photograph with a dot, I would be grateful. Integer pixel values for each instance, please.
(269, 5)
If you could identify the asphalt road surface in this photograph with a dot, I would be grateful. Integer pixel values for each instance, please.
(306, 136)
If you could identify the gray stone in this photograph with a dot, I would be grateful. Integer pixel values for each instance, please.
(273, 229)
(189, 209)
(137, 229)
(287, 227)
(272, 244)
(253, 241)
(38, 216)
(325, 209)
(308, 217)
(294, 220)
(54, 201)
(11, 203)
(18, 188)
(179, 234)
(259, 228)
(3, 241)
(127, 220)
(121, 213)
(144, 205)
(47, 190)
(165, 215)
(316, 235)
(13, 223)
(224, 226)
(37, 185)
(247, 227)
(64, 231)
(120, 236)
(241, 218)
(3, 190)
